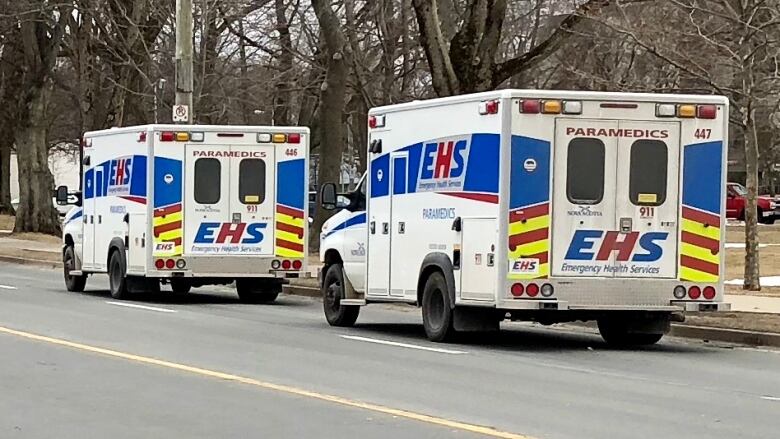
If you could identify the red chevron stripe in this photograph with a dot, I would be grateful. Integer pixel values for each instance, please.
(527, 237)
(701, 217)
(698, 264)
(487, 198)
(295, 213)
(289, 245)
(542, 257)
(290, 229)
(701, 241)
(529, 212)
(175, 241)
(167, 210)
(158, 230)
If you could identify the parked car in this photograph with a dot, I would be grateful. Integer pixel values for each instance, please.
(62, 210)
(736, 199)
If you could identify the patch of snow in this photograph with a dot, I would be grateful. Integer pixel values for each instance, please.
(766, 281)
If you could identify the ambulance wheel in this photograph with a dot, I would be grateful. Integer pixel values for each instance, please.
(116, 276)
(618, 333)
(255, 291)
(437, 309)
(332, 292)
(72, 283)
(180, 286)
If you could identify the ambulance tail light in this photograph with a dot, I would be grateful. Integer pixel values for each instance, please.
(180, 264)
(294, 138)
(488, 107)
(286, 264)
(551, 107)
(297, 264)
(694, 292)
(167, 136)
(707, 111)
(530, 106)
(547, 290)
(517, 290)
(665, 110)
(197, 137)
(708, 293)
(572, 107)
(159, 264)
(376, 121)
(275, 264)
(170, 263)
(279, 138)
(679, 292)
(532, 290)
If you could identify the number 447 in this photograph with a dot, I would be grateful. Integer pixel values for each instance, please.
(702, 133)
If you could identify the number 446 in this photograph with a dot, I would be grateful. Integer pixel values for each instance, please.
(702, 133)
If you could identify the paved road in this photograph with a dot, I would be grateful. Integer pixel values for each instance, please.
(204, 365)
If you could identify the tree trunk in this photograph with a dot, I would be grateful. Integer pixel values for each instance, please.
(282, 96)
(36, 211)
(332, 103)
(752, 276)
(6, 139)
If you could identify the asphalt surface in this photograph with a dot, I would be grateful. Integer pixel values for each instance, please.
(280, 371)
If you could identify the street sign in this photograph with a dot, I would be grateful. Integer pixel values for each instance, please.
(181, 113)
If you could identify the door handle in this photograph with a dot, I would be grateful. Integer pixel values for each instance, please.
(385, 228)
(401, 227)
(626, 225)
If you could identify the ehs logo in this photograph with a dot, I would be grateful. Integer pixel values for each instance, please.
(528, 266)
(444, 164)
(230, 233)
(583, 246)
(119, 173)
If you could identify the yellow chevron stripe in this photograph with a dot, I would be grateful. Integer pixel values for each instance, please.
(532, 248)
(699, 253)
(689, 274)
(699, 229)
(287, 236)
(158, 221)
(530, 225)
(544, 271)
(287, 253)
(169, 235)
(287, 219)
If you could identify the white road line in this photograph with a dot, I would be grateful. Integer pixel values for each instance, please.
(403, 345)
(7, 287)
(771, 398)
(148, 308)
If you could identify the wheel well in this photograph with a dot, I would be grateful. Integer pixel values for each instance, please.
(332, 257)
(116, 245)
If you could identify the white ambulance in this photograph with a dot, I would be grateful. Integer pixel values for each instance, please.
(549, 206)
(190, 206)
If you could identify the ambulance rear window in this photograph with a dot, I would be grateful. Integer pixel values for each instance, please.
(585, 171)
(208, 181)
(251, 181)
(649, 167)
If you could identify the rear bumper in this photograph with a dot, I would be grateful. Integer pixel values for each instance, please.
(559, 305)
(230, 267)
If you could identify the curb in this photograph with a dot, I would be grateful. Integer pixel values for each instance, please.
(300, 290)
(28, 261)
(737, 336)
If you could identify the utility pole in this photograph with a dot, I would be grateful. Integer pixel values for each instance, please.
(184, 69)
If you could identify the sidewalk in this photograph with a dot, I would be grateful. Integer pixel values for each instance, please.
(741, 303)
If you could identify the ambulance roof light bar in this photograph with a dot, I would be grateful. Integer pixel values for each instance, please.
(176, 136)
(278, 137)
(488, 107)
(376, 121)
(687, 111)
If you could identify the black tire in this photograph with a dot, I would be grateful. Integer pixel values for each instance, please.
(332, 292)
(437, 309)
(72, 283)
(617, 333)
(257, 291)
(116, 277)
(180, 286)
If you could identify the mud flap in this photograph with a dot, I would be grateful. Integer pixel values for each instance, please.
(472, 319)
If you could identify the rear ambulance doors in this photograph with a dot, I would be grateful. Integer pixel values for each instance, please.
(229, 199)
(615, 198)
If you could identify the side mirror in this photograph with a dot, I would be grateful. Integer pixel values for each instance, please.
(328, 196)
(86, 161)
(62, 196)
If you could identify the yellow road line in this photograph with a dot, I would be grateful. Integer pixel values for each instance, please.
(456, 425)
